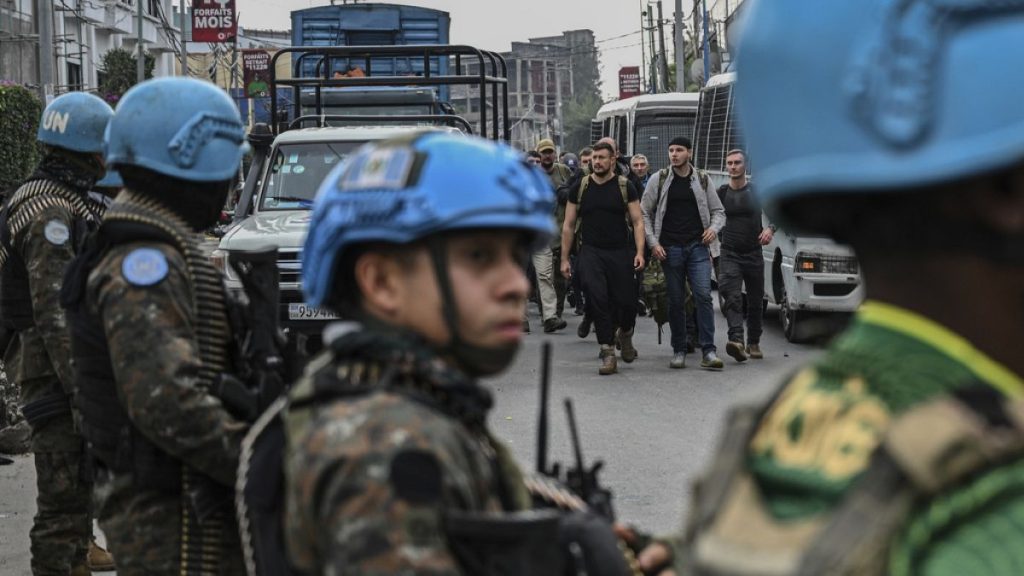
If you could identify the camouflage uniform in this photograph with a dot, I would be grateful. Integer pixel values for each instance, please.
(38, 359)
(156, 357)
(371, 470)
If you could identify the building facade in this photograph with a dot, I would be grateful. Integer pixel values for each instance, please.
(57, 46)
(543, 75)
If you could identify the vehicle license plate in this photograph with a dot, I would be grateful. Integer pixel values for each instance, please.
(306, 312)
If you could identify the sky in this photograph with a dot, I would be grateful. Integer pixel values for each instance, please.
(495, 24)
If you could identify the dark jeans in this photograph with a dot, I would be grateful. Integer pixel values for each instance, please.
(607, 277)
(691, 262)
(735, 270)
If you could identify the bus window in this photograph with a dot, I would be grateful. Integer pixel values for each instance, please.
(653, 132)
(622, 134)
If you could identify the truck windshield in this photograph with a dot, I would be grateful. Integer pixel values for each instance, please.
(296, 172)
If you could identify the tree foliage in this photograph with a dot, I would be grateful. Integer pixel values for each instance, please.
(577, 115)
(20, 111)
(120, 72)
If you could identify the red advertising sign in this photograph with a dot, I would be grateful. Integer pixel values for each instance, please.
(256, 73)
(629, 82)
(213, 20)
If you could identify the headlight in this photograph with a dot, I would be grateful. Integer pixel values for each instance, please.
(219, 258)
(807, 263)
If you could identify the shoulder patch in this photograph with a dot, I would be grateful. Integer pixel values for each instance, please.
(144, 267)
(56, 233)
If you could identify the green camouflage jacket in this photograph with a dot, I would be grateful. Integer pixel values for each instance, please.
(371, 470)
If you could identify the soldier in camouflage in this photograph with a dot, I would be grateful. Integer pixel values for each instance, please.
(42, 225)
(386, 433)
(900, 451)
(151, 336)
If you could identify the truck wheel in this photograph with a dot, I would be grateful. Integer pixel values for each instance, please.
(793, 321)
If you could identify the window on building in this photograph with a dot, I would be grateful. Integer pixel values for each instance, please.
(74, 76)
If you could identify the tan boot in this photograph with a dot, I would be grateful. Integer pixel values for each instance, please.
(626, 343)
(98, 559)
(609, 365)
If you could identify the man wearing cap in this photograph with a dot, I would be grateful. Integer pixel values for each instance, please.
(900, 450)
(683, 216)
(551, 285)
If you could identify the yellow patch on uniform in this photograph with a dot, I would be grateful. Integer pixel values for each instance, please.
(829, 431)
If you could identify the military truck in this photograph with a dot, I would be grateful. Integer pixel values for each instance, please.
(326, 121)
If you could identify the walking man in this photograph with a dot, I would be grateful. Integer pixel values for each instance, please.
(683, 216)
(611, 238)
(550, 284)
(741, 262)
(641, 169)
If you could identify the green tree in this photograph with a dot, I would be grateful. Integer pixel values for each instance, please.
(120, 72)
(577, 115)
(20, 111)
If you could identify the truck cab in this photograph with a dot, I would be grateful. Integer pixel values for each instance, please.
(327, 119)
(278, 212)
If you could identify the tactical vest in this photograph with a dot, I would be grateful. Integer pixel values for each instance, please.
(516, 542)
(27, 203)
(927, 451)
(111, 439)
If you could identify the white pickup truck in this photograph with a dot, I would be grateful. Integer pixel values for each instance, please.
(275, 211)
(811, 279)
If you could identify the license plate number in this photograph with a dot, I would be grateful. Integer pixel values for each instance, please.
(306, 312)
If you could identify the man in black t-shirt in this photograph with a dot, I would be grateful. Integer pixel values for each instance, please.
(683, 217)
(611, 251)
(741, 261)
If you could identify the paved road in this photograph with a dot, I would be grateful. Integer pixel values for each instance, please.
(654, 427)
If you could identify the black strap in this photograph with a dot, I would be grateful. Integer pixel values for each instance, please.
(46, 408)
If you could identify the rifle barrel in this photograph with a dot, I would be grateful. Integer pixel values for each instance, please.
(574, 436)
(542, 418)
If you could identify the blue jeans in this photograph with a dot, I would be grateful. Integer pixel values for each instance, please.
(692, 262)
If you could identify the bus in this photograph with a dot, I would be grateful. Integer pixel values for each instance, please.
(646, 124)
(813, 280)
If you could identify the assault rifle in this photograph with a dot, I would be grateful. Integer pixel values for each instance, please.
(580, 479)
(263, 368)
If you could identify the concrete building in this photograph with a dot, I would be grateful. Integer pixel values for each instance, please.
(57, 45)
(543, 74)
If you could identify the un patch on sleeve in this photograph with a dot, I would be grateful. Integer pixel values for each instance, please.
(383, 168)
(56, 233)
(144, 267)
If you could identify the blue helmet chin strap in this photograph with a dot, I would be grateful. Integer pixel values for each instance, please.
(476, 361)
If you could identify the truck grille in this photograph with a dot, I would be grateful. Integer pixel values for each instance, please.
(839, 265)
(289, 266)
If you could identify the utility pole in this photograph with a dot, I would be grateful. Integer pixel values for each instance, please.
(140, 68)
(184, 39)
(558, 107)
(707, 46)
(47, 76)
(663, 59)
(654, 57)
(680, 54)
(643, 49)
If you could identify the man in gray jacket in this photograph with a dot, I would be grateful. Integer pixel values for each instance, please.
(682, 218)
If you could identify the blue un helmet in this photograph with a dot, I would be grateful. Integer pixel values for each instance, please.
(408, 189)
(75, 121)
(879, 95)
(179, 127)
